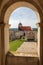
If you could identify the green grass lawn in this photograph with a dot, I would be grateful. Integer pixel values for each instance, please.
(13, 45)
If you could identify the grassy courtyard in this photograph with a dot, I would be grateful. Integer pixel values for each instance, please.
(13, 45)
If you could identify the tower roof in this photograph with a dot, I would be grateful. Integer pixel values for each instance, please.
(20, 23)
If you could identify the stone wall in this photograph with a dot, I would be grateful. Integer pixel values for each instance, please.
(21, 60)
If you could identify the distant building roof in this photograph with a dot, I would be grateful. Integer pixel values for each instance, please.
(25, 28)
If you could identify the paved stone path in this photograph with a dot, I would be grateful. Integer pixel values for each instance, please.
(27, 49)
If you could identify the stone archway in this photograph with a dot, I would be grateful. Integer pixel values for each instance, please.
(5, 15)
(19, 4)
(13, 7)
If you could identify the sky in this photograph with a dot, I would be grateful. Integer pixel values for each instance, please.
(23, 15)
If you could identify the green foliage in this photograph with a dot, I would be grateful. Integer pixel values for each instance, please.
(15, 44)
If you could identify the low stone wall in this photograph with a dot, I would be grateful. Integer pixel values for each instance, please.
(21, 60)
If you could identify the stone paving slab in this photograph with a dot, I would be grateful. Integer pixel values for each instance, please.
(27, 49)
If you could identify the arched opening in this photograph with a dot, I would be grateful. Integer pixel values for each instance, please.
(6, 21)
(16, 5)
(24, 17)
(19, 4)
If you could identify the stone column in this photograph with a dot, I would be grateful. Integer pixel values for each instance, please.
(40, 43)
(38, 40)
(2, 47)
(4, 42)
(6, 38)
